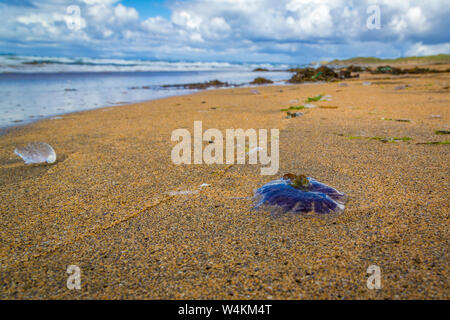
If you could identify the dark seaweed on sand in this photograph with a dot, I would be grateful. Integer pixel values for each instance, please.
(322, 73)
(261, 80)
(201, 85)
(397, 71)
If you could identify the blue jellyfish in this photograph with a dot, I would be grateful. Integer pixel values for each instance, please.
(300, 194)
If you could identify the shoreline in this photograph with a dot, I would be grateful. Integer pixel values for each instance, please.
(105, 199)
(54, 96)
(13, 127)
(139, 98)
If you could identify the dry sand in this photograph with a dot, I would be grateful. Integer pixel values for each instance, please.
(103, 206)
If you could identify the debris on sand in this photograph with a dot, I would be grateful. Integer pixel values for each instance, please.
(316, 98)
(290, 115)
(381, 139)
(328, 107)
(181, 193)
(398, 120)
(390, 139)
(442, 132)
(435, 142)
(36, 152)
(293, 108)
(401, 87)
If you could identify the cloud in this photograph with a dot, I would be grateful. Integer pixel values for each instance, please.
(276, 30)
(124, 14)
(419, 49)
(101, 2)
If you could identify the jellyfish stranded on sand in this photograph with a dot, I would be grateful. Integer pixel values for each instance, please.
(36, 152)
(300, 194)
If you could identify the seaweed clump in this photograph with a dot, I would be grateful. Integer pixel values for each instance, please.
(353, 68)
(293, 108)
(199, 86)
(435, 142)
(300, 194)
(261, 80)
(322, 73)
(397, 71)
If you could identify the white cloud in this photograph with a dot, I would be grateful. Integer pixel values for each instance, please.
(411, 21)
(419, 49)
(101, 2)
(99, 13)
(187, 20)
(250, 29)
(158, 25)
(125, 14)
(219, 24)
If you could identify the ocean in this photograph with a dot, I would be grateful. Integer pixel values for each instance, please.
(33, 88)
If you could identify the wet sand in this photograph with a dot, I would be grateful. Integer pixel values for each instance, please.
(104, 205)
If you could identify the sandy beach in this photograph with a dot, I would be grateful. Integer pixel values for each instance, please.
(108, 204)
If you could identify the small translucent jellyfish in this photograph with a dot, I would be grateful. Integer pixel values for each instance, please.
(300, 194)
(36, 152)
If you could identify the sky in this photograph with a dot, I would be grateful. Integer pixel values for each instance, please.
(283, 31)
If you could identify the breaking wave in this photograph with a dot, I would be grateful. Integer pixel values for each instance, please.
(34, 64)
